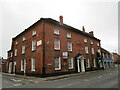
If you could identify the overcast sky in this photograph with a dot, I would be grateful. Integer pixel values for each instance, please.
(100, 16)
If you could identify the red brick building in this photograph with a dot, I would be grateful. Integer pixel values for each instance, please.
(51, 47)
(116, 58)
(107, 58)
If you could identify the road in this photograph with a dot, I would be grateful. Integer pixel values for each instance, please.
(101, 79)
(9, 82)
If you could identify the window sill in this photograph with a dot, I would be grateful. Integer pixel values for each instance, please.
(56, 34)
(33, 50)
(68, 37)
(34, 35)
(57, 49)
(57, 69)
(69, 51)
(70, 68)
(32, 70)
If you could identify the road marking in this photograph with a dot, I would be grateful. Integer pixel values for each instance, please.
(6, 81)
(100, 76)
(110, 73)
(86, 80)
(65, 78)
(64, 86)
(18, 84)
(15, 80)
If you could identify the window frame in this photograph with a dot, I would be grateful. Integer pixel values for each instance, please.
(33, 64)
(15, 52)
(22, 65)
(69, 35)
(86, 50)
(98, 44)
(92, 51)
(56, 32)
(34, 45)
(58, 63)
(70, 63)
(94, 60)
(88, 63)
(69, 46)
(23, 49)
(99, 51)
(16, 42)
(91, 42)
(23, 39)
(85, 40)
(34, 32)
(56, 44)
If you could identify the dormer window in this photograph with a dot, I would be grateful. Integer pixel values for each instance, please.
(56, 31)
(33, 32)
(68, 35)
(23, 39)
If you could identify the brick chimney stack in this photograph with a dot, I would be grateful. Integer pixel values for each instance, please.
(91, 33)
(61, 19)
(83, 29)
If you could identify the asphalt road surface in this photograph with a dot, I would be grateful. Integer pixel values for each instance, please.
(101, 79)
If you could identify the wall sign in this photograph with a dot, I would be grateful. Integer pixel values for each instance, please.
(65, 55)
(39, 42)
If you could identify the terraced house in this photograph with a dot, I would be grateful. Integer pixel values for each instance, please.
(50, 47)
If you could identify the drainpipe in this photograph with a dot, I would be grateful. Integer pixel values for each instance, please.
(43, 68)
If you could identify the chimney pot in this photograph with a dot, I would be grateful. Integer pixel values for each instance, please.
(91, 33)
(83, 29)
(61, 19)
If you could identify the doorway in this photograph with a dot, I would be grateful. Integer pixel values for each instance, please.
(80, 64)
(10, 67)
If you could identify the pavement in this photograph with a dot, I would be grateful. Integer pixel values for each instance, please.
(106, 78)
(95, 79)
(39, 79)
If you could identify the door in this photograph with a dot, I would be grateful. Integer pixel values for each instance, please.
(82, 65)
(78, 65)
(10, 67)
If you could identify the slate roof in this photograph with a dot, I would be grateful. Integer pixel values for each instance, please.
(105, 51)
(59, 24)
